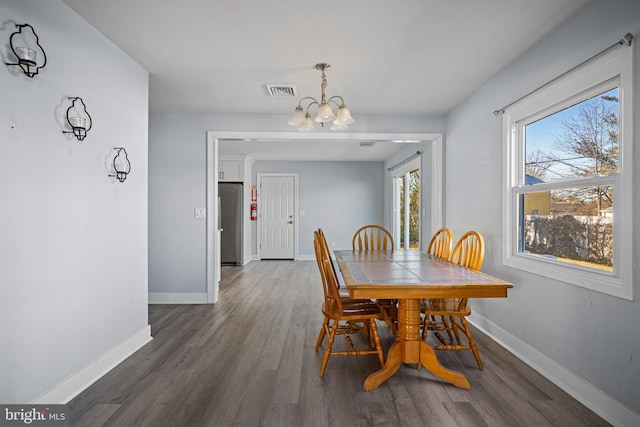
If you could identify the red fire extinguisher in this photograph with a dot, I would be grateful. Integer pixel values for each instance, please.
(254, 211)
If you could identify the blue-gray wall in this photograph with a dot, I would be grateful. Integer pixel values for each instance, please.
(585, 339)
(73, 257)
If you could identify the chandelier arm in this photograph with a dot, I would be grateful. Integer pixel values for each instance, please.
(308, 97)
(336, 96)
(306, 109)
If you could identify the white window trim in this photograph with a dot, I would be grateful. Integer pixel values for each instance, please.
(616, 63)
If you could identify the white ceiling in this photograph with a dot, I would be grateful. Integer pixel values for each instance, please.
(408, 57)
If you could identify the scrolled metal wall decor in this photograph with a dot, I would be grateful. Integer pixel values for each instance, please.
(121, 164)
(28, 54)
(78, 118)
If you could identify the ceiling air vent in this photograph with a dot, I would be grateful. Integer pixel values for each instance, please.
(282, 91)
(367, 143)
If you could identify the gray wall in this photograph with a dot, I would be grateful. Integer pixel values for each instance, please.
(73, 256)
(338, 197)
(589, 334)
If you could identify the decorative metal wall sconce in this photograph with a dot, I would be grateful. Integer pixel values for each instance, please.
(27, 50)
(78, 118)
(121, 165)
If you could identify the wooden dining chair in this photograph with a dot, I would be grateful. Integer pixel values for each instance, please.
(344, 319)
(452, 312)
(441, 243)
(344, 294)
(440, 246)
(372, 237)
(325, 245)
(376, 237)
(323, 253)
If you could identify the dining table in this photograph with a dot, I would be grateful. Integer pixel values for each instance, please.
(408, 276)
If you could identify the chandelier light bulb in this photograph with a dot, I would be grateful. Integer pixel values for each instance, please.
(308, 124)
(343, 117)
(325, 113)
(298, 117)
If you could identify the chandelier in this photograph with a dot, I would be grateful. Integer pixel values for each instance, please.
(302, 118)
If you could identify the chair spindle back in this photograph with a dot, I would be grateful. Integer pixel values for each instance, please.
(469, 251)
(441, 243)
(372, 237)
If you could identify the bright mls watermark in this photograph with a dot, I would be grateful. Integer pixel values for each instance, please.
(34, 415)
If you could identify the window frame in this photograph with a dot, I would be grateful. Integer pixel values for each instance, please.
(613, 67)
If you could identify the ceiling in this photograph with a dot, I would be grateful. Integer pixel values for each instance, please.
(414, 57)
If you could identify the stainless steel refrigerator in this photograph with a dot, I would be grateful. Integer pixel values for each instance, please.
(230, 221)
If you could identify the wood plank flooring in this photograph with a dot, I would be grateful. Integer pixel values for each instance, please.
(249, 360)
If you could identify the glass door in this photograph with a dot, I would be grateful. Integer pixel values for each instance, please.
(406, 184)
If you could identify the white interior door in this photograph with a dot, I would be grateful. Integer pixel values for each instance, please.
(276, 216)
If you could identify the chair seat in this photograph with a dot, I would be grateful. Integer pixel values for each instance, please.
(346, 301)
(353, 313)
(443, 307)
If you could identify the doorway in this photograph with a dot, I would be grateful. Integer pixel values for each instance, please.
(434, 198)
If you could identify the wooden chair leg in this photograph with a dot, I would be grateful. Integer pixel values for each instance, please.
(447, 327)
(376, 339)
(455, 328)
(431, 320)
(472, 343)
(439, 337)
(367, 334)
(322, 333)
(327, 351)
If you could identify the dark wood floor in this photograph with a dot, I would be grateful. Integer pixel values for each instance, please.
(249, 360)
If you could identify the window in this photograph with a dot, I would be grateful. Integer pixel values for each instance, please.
(569, 165)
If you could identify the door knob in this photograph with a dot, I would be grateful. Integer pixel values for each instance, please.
(290, 222)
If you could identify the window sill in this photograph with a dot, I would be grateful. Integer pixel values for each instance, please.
(584, 277)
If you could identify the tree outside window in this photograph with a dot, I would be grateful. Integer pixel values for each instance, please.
(413, 179)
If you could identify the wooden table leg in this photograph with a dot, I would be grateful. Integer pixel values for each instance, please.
(394, 360)
(409, 348)
(429, 360)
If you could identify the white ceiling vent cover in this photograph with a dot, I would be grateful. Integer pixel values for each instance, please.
(282, 91)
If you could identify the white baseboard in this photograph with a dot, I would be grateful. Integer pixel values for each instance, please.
(586, 393)
(81, 380)
(298, 258)
(177, 298)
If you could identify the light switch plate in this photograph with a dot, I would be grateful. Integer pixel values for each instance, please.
(200, 212)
